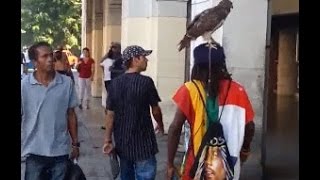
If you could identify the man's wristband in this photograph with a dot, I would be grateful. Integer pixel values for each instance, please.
(245, 152)
(76, 144)
(108, 141)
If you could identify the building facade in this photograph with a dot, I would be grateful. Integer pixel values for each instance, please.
(261, 54)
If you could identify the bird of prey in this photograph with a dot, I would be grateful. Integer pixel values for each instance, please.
(206, 23)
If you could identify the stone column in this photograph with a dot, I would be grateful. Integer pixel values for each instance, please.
(96, 50)
(83, 23)
(88, 26)
(158, 25)
(111, 31)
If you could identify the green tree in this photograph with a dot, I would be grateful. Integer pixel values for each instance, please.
(57, 22)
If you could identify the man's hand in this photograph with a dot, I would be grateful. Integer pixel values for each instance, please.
(244, 156)
(73, 131)
(160, 130)
(107, 148)
(75, 152)
(157, 114)
(170, 171)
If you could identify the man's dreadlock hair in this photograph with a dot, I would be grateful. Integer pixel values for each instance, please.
(218, 72)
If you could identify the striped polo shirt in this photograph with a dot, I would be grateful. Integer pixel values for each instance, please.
(130, 97)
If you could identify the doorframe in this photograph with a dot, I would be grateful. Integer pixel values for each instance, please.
(187, 49)
(266, 90)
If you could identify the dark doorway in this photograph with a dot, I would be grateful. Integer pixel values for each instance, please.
(282, 136)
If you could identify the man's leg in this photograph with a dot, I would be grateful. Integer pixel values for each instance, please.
(237, 170)
(186, 135)
(59, 168)
(106, 85)
(126, 170)
(88, 91)
(36, 168)
(82, 84)
(146, 169)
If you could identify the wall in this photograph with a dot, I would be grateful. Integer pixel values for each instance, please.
(243, 37)
(284, 6)
(287, 66)
(111, 33)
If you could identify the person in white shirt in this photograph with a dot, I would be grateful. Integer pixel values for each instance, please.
(27, 59)
(105, 64)
(23, 64)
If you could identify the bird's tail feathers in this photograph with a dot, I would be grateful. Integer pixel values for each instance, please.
(184, 42)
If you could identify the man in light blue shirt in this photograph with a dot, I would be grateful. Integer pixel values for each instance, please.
(49, 123)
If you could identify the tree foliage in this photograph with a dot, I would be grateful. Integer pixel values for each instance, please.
(57, 22)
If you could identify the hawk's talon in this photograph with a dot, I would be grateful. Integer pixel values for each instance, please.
(211, 45)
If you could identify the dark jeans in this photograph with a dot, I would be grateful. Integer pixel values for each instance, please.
(46, 168)
(139, 170)
(107, 84)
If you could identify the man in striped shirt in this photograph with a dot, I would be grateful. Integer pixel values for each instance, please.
(128, 116)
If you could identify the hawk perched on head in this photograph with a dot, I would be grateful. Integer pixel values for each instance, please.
(206, 23)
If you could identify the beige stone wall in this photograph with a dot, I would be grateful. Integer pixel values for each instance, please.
(96, 48)
(96, 86)
(171, 63)
(284, 6)
(111, 25)
(88, 21)
(287, 66)
(111, 32)
(138, 31)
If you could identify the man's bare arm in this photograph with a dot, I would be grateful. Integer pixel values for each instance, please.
(174, 136)
(248, 135)
(157, 114)
(109, 126)
(73, 125)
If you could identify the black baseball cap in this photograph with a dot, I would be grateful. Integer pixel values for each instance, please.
(134, 51)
